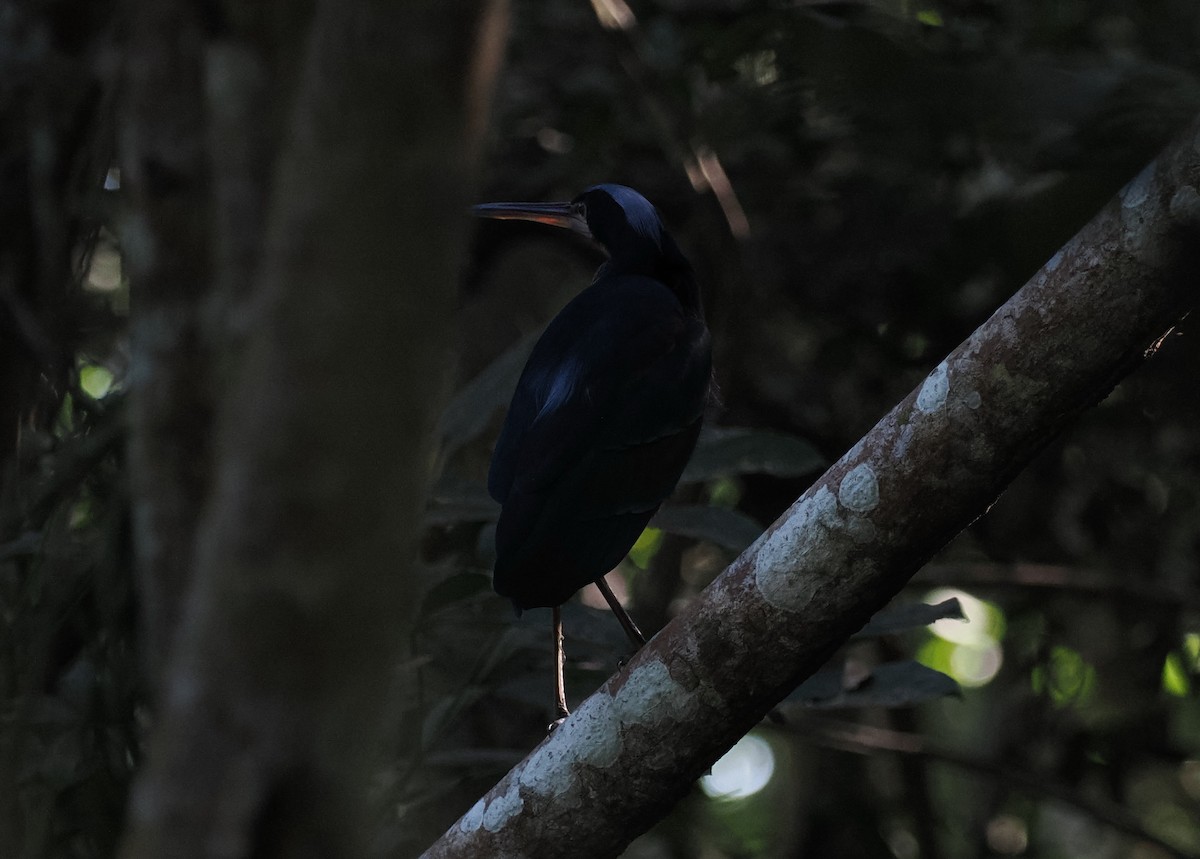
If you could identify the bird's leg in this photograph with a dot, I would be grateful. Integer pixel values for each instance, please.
(631, 630)
(560, 688)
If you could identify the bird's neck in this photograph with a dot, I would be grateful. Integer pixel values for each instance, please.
(667, 265)
(682, 281)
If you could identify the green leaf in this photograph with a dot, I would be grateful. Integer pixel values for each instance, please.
(1068, 678)
(724, 492)
(911, 616)
(516, 638)
(892, 684)
(446, 711)
(1175, 680)
(452, 502)
(456, 588)
(642, 552)
(723, 451)
(729, 529)
(470, 410)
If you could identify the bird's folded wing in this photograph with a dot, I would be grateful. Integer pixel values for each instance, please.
(609, 399)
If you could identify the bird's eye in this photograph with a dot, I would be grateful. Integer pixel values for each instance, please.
(580, 209)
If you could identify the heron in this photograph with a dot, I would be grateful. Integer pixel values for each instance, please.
(606, 412)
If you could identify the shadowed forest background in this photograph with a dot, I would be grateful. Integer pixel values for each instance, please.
(859, 185)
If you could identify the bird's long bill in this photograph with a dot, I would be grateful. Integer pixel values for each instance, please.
(555, 214)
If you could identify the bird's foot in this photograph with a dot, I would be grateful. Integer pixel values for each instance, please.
(553, 726)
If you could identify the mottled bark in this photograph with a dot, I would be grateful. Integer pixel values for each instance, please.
(930, 467)
(277, 685)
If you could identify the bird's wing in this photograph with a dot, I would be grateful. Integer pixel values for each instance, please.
(603, 421)
(619, 373)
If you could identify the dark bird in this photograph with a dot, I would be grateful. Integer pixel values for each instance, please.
(606, 413)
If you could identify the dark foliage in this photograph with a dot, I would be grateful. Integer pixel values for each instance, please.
(859, 185)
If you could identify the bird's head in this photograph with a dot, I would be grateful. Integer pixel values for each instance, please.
(618, 217)
(622, 220)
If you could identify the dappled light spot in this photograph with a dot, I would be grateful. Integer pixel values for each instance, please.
(976, 666)
(104, 272)
(95, 380)
(903, 843)
(969, 650)
(1007, 835)
(982, 624)
(970, 666)
(591, 597)
(554, 141)
(743, 771)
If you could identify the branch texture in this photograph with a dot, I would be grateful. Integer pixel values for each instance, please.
(927, 469)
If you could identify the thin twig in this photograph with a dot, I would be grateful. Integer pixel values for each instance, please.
(1058, 577)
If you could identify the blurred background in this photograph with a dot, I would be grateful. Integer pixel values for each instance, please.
(859, 183)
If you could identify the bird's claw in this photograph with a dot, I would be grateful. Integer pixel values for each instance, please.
(553, 726)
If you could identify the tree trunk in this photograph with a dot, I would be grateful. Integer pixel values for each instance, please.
(292, 613)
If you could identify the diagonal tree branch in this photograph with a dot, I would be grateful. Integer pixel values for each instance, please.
(927, 469)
